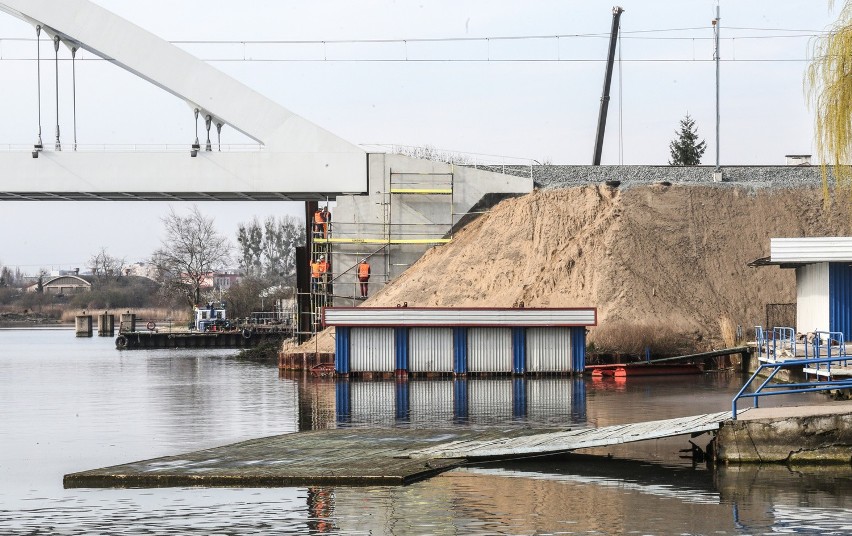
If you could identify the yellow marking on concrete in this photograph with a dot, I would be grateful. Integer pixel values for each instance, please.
(421, 190)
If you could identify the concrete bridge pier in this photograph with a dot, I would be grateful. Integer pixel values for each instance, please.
(83, 325)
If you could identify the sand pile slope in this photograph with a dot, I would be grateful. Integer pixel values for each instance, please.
(664, 256)
(653, 255)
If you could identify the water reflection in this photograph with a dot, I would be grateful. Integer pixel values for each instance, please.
(68, 405)
(547, 402)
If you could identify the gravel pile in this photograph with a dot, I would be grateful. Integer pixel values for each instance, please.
(554, 176)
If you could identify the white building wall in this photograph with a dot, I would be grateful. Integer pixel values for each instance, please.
(549, 349)
(811, 298)
(430, 350)
(372, 350)
(489, 350)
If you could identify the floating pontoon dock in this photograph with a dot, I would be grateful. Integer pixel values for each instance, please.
(394, 456)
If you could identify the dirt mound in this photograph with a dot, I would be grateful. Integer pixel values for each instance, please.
(667, 258)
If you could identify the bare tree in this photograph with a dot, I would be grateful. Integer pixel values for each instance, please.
(191, 252)
(105, 266)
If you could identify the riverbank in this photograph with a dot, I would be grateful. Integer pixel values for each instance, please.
(28, 319)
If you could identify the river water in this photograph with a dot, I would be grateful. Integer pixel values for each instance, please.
(69, 404)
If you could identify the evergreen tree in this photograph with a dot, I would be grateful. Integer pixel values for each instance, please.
(685, 149)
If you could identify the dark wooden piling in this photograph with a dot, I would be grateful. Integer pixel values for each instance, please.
(106, 325)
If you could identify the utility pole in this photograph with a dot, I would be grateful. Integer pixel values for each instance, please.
(716, 30)
(613, 40)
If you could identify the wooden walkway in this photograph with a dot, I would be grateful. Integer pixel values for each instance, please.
(355, 456)
(554, 442)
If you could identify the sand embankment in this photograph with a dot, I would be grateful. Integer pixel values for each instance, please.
(671, 259)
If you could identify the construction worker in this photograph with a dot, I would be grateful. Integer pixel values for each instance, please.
(321, 218)
(318, 269)
(323, 266)
(363, 276)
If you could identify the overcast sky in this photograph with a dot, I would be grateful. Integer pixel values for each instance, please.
(530, 99)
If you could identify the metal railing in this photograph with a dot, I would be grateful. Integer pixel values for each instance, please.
(765, 389)
(461, 158)
(139, 148)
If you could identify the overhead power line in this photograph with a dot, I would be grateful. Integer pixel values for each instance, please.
(329, 51)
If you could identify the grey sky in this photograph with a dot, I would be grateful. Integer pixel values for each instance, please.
(542, 110)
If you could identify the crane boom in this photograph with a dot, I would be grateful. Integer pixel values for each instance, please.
(613, 39)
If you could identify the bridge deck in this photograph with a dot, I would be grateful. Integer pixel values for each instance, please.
(353, 456)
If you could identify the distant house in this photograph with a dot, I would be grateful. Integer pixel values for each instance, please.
(64, 285)
(224, 280)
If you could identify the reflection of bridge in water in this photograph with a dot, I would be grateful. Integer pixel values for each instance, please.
(433, 403)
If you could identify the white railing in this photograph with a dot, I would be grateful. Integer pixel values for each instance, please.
(136, 147)
(461, 158)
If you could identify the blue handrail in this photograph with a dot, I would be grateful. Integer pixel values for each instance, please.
(789, 388)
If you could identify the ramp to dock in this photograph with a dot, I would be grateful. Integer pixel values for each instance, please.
(555, 442)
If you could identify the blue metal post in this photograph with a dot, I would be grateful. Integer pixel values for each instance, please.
(578, 350)
(341, 350)
(401, 340)
(460, 350)
(519, 350)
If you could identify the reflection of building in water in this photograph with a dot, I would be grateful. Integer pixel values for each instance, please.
(555, 401)
(316, 405)
(541, 500)
(321, 510)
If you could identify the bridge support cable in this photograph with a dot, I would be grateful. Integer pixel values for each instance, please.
(56, 66)
(219, 135)
(195, 145)
(74, 92)
(39, 145)
(207, 122)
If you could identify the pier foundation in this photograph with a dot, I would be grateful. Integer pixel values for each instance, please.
(83, 325)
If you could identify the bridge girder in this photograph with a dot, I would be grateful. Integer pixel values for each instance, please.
(296, 160)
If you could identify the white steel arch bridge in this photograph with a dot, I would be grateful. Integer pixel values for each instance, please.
(294, 160)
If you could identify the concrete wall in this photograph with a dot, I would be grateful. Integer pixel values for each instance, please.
(806, 438)
(380, 214)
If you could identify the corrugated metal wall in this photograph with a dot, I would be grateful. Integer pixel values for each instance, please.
(430, 350)
(431, 402)
(549, 349)
(812, 307)
(489, 350)
(840, 298)
(372, 350)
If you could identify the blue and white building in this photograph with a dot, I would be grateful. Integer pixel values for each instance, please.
(460, 341)
(823, 281)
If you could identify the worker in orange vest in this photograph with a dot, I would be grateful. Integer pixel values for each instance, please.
(319, 269)
(321, 218)
(363, 276)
